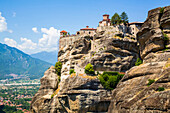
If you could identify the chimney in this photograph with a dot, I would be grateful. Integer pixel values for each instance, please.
(87, 26)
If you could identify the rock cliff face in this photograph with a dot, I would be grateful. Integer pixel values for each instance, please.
(106, 51)
(132, 94)
(48, 85)
(110, 51)
(76, 94)
(81, 93)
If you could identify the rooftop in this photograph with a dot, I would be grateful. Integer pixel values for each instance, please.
(63, 31)
(105, 15)
(136, 23)
(87, 28)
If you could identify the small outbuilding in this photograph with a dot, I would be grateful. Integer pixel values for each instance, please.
(87, 31)
(63, 33)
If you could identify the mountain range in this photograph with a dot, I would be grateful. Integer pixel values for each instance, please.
(50, 57)
(14, 61)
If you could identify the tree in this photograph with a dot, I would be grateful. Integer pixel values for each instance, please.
(58, 67)
(89, 69)
(124, 18)
(115, 19)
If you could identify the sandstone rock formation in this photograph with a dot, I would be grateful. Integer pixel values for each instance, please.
(150, 37)
(132, 94)
(76, 94)
(48, 85)
(106, 51)
(110, 51)
(80, 93)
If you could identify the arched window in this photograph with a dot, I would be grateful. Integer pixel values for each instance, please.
(89, 32)
(78, 33)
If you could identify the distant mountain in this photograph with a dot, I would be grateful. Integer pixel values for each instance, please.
(50, 57)
(14, 61)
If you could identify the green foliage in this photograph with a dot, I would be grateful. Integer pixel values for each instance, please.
(109, 80)
(93, 54)
(116, 19)
(101, 49)
(165, 49)
(124, 18)
(98, 73)
(162, 10)
(72, 71)
(52, 95)
(150, 81)
(9, 109)
(138, 62)
(89, 69)
(64, 34)
(58, 67)
(166, 38)
(59, 79)
(160, 89)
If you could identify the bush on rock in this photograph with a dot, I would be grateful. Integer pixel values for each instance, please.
(109, 80)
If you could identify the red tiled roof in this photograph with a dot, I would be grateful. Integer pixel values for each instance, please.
(105, 15)
(87, 28)
(63, 31)
(135, 23)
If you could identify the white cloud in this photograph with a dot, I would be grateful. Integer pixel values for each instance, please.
(10, 42)
(14, 14)
(10, 31)
(3, 24)
(34, 29)
(50, 38)
(48, 42)
(27, 44)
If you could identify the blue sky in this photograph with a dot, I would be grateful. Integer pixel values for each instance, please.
(18, 17)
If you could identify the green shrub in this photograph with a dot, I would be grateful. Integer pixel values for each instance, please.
(150, 81)
(52, 95)
(166, 38)
(138, 62)
(109, 80)
(98, 73)
(58, 67)
(162, 10)
(160, 89)
(59, 79)
(93, 54)
(72, 71)
(101, 49)
(89, 69)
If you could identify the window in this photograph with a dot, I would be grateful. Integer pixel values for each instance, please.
(89, 32)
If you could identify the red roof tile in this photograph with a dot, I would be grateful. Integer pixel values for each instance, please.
(105, 15)
(87, 28)
(63, 31)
